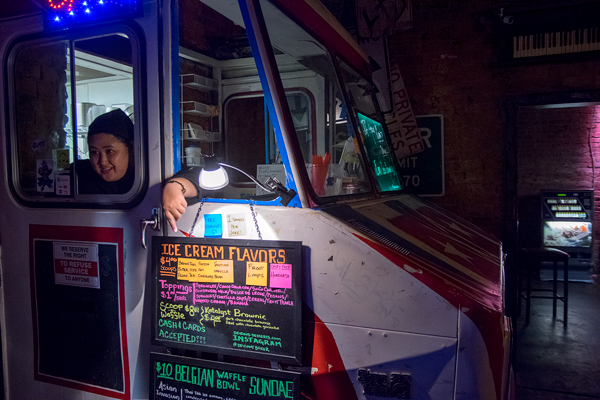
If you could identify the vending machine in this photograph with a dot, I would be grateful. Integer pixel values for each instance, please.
(567, 220)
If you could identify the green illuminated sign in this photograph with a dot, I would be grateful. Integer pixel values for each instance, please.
(379, 154)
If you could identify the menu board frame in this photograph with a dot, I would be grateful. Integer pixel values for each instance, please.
(193, 379)
(230, 310)
(77, 286)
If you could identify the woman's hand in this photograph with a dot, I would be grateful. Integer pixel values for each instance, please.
(173, 199)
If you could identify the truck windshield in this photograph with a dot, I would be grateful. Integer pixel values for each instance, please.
(325, 134)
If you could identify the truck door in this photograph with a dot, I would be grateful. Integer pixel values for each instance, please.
(73, 260)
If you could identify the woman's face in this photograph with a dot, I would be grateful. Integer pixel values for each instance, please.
(109, 156)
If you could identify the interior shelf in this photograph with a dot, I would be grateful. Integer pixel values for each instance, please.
(196, 108)
(195, 133)
(199, 82)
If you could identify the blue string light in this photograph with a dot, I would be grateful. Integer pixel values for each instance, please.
(65, 13)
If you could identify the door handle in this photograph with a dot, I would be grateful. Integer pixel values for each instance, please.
(154, 223)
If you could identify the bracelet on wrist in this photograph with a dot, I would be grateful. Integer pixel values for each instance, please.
(180, 184)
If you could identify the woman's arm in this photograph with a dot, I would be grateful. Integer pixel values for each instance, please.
(176, 191)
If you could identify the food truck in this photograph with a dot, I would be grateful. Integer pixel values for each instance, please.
(308, 273)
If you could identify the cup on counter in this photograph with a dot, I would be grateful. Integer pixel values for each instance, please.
(318, 175)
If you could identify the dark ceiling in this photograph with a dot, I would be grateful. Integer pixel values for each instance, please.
(9, 9)
(13, 8)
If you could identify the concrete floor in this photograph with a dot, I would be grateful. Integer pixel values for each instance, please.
(557, 362)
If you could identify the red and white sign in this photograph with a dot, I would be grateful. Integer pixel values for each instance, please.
(402, 124)
(76, 264)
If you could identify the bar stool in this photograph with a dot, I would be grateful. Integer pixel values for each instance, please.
(531, 259)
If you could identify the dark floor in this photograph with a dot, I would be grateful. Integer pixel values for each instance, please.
(554, 362)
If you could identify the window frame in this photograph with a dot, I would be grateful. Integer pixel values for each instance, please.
(81, 201)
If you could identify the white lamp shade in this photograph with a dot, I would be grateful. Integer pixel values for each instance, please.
(213, 180)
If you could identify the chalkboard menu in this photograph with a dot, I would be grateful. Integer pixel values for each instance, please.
(237, 297)
(181, 378)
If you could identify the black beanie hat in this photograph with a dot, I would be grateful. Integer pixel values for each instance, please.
(116, 123)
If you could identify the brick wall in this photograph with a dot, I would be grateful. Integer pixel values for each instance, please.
(555, 150)
(41, 106)
(449, 63)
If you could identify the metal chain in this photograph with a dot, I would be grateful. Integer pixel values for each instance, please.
(198, 214)
(254, 218)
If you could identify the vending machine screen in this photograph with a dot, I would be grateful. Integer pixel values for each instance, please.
(567, 234)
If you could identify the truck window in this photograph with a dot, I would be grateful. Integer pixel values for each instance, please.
(222, 111)
(361, 95)
(59, 87)
(333, 160)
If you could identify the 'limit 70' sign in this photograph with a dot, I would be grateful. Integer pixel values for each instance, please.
(423, 173)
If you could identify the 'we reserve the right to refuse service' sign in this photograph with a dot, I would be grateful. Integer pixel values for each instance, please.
(238, 297)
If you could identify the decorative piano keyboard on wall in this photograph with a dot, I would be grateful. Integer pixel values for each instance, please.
(561, 42)
(550, 29)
